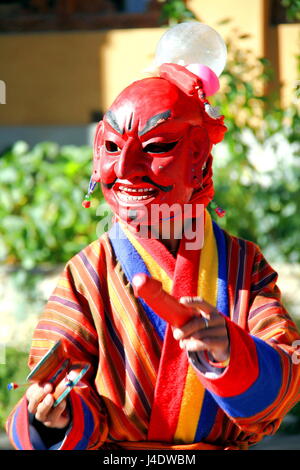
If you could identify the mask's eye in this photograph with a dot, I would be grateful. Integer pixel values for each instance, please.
(111, 146)
(159, 147)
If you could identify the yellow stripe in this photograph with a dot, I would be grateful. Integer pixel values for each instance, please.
(41, 343)
(208, 274)
(272, 334)
(190, 408)
(156, 271)
(63, 283)
(193, 394)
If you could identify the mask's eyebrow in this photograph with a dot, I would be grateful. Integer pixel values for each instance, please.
(155, 120)
(111, 118)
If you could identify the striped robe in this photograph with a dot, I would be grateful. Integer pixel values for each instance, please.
(142, 388)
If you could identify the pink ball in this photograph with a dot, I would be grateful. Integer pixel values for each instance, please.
(209, 79)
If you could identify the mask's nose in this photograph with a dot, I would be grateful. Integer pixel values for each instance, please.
(132, 161)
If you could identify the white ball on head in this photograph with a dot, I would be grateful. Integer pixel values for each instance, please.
(192, 43)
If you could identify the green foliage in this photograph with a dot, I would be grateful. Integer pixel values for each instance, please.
(41, 190)
(257, 167)
(175, 11)
(14, 370)
(292, 9)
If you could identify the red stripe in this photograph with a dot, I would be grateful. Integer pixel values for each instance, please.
(185, 282)
(169, 390)
(233, 257)
(159, 253)
(77, 428)
(174, 363)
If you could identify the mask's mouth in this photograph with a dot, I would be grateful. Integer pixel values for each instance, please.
(135, 193)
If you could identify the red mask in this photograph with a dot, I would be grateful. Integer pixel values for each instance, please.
(150, 149)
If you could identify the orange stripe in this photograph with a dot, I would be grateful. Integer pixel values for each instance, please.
(150, 343)
(148, 445)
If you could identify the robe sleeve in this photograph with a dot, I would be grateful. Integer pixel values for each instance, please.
(262, 381)
(67, 315)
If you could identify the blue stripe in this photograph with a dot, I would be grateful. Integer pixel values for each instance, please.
(88, 427)
(115, 338)
(265, 389)
(138, 388)
(222, 301)
(15, 434)
(132, 263)
(264, 282)
(207, 417)
(56, 446)
(63, 333)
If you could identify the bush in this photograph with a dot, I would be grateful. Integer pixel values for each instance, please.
(257, 166)
(15, 370)
(41, 190)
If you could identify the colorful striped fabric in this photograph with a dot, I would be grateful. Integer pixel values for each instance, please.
(178, 398)
(142, 387)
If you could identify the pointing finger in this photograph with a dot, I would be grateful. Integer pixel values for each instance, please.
(200, 304)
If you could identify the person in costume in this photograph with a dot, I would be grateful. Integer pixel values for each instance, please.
(223, 380)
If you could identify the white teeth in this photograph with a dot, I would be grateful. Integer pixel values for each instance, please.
(125, 197)
(131, 190)
(125, 193)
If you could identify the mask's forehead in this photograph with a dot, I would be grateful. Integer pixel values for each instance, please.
(147, 103)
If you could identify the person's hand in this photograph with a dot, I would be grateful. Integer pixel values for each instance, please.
(40, 402)
(207, 331)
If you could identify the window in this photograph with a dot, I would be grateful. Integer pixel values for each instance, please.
(131, 6)
(49, 15)
(280, 14)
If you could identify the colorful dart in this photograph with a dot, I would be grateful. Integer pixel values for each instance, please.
(14, 385)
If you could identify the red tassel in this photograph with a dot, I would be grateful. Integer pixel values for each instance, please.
(220, 212)
(86, 204)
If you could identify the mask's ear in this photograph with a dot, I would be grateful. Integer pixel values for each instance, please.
(200, 148)
(98, 142)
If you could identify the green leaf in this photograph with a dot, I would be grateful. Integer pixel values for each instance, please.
(8, 175)
(20, 148)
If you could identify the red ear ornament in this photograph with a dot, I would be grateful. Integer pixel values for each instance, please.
(86, 204)
(210, 81)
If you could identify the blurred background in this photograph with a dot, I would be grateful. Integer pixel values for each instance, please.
(62, 62)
